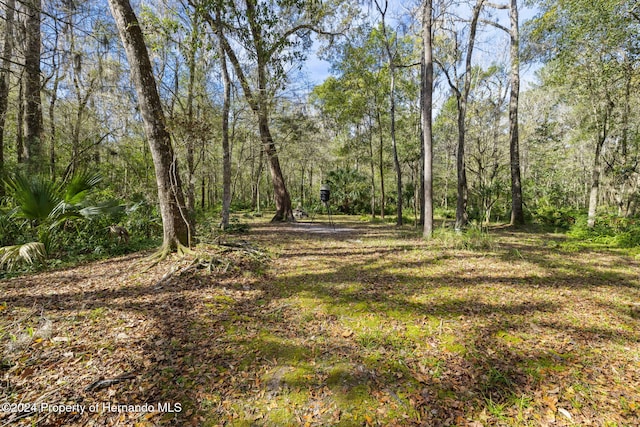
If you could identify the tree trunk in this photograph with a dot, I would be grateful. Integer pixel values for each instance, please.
(5, 79)
(256, 175)
(426, 115)
(595, 181)
(32, 99)
(381, 167)
(462, 97)
(595, 186)
(191, 143)
(52, 125)
(170, 195)
(461, 168)
(226, 150)
(259, 105)
(373, 173)
(517, 214)
(20, 121)
(392, 103)
(394, 145)
(284, 212)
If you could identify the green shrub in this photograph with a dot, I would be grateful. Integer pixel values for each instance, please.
(610, 230)
(552, 216)
(350, 191)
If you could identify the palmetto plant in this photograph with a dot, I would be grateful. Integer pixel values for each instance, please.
(44, 207)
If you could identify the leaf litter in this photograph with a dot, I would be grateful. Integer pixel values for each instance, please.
(366, 326)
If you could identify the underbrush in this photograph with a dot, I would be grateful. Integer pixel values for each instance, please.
(609, 231)
(474, 237)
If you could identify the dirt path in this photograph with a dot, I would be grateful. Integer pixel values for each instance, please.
(357, 325)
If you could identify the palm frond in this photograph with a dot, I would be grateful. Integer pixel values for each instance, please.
(34, 196)
(28, 253)
(108, 207)
(79, 186)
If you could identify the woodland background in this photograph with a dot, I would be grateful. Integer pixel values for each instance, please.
(75, 157)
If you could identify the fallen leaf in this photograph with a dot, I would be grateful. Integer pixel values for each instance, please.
(565, 413)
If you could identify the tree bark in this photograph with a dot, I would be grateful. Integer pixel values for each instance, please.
(381, 165)
(594, 192)
(426, 116)
(461, 168)
(517, 214)
(284, 211)
(171, 199)
(226, 149)
(394, 146)
(20, 121)
(32, 98)
(5, 76)
(595, 185)
(372, 168)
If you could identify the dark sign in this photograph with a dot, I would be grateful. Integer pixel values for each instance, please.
(325, 193)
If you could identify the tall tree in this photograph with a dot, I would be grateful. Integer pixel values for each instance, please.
(5, 74)
(517, 214)
(226, 149)
(461, 87)
(426, 111)
(391, 53)
(32, 85)
(170, 196)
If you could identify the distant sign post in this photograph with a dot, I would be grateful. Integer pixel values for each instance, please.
(325, 195)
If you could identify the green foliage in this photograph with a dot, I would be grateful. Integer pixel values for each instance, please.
(143, 219)
(34, 197)
(448, 213)
(62, 219)
(609, 230)
(473, 238)
(9, 229)
(350, 190)
(549, 215)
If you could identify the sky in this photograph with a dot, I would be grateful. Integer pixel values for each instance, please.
(317, 69)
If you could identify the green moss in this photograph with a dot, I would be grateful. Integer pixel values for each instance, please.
(272, 347)
(508, 338)
(97, 313)
(449, 343)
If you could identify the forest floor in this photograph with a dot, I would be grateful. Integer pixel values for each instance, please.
(361, 325)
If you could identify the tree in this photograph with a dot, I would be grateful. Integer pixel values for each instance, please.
(272, 36)
(393, 65)
(172, 207)
(426, 111)
(592, 42)
(32, 99)
(226, 106)
(352, 103)
(5, 73)
(517, 213)
(461, 87)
